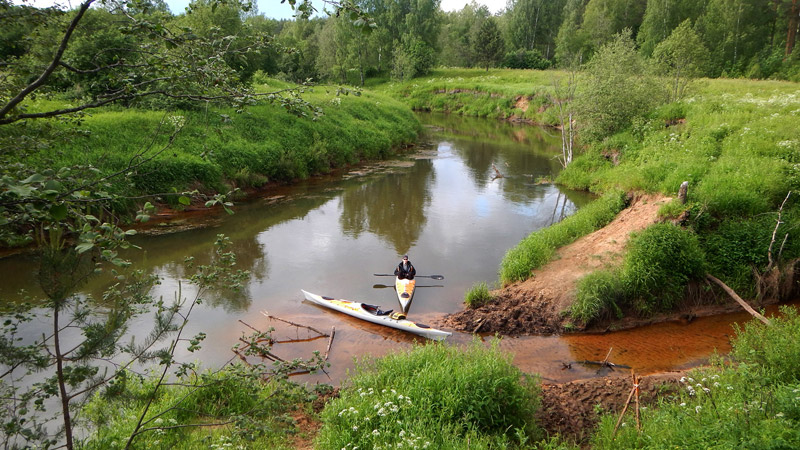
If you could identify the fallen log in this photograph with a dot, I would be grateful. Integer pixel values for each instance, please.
(738, 299)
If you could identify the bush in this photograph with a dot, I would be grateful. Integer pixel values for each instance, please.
(526, 59)
(478, 295)
(432, 396)
(660, 261)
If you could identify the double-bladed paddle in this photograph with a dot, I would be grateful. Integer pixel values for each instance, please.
(435, 277)
(381, 286)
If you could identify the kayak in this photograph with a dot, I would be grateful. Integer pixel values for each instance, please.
(374, 314)
(405, 292)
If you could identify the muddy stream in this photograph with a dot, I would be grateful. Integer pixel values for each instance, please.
(442, 204)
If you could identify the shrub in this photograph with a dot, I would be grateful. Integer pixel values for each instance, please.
(526, 59)
(434, 396)
(478, 295)
(660, 261)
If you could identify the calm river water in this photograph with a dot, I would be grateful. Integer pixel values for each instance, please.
(443, 206)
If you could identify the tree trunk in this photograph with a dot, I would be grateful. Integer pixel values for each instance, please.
(794, 21)
(62, 387)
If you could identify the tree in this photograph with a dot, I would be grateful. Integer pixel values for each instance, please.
(571, 41)
(734, 32)
(618, 87)
(663, 16)
(563, 98)
(682, 56)
(489, 45)
(533, 24)
(459, 29)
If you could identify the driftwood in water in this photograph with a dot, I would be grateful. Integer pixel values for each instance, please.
(605, 362)
(263, 341)
(497, 173)
(738, 299)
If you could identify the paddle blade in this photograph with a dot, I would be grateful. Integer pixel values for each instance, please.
(437, 277)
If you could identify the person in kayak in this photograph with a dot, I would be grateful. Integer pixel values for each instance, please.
(405, 270)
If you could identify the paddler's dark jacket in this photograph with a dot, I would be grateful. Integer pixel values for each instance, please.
(408, 272)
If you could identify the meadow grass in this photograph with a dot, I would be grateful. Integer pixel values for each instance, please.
(751, 402)
(218, 149)
(433, 396)
(539, 247)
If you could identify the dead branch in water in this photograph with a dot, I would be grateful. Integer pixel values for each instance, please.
(497, 173)
(738, 299)
(605, 362)
(330, 342)
(266, 314)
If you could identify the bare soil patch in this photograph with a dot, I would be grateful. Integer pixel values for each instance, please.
(573, 409)
(534, 306)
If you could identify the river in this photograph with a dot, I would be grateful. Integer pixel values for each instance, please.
(441, 203)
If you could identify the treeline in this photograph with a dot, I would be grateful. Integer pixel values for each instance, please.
(405, 38)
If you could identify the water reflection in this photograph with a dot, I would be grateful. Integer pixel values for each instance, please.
(392, 207)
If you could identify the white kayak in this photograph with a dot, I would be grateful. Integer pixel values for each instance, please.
(405, 292)
(372, 313)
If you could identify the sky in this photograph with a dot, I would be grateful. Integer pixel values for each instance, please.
(274, 8)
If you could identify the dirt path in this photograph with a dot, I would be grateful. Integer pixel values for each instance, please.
(534, 306)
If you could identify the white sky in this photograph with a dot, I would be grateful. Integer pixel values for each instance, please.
(274, 8)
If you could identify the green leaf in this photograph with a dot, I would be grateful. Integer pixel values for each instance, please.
(35, 178)
(53, 185)
(183, 200)
(84, 246)
(58, 212)
(22, 191)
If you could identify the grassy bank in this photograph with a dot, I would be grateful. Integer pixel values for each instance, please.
(216, 149)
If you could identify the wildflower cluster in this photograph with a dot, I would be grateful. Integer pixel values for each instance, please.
(378, 420)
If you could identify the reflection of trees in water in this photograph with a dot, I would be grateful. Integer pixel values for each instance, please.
(392, 207)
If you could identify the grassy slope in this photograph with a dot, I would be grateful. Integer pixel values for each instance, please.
(220, 147)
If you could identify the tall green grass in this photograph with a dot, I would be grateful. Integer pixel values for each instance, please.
(478, 295)
(251, 413)
(433, 396)
(659, 263)
(218, 148)
(540, 246)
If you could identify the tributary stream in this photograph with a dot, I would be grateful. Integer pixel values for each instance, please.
(443, 205)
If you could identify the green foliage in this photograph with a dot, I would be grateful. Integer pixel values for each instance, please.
(774, 347)
(414, 57)
(672, 209)
(598, 295)
(682, 57)
(659, 263)
(489, 45)
(478, 295)
(618, 88)
(539, 247)
(525, 59)
(433, 396)
(250, 412)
